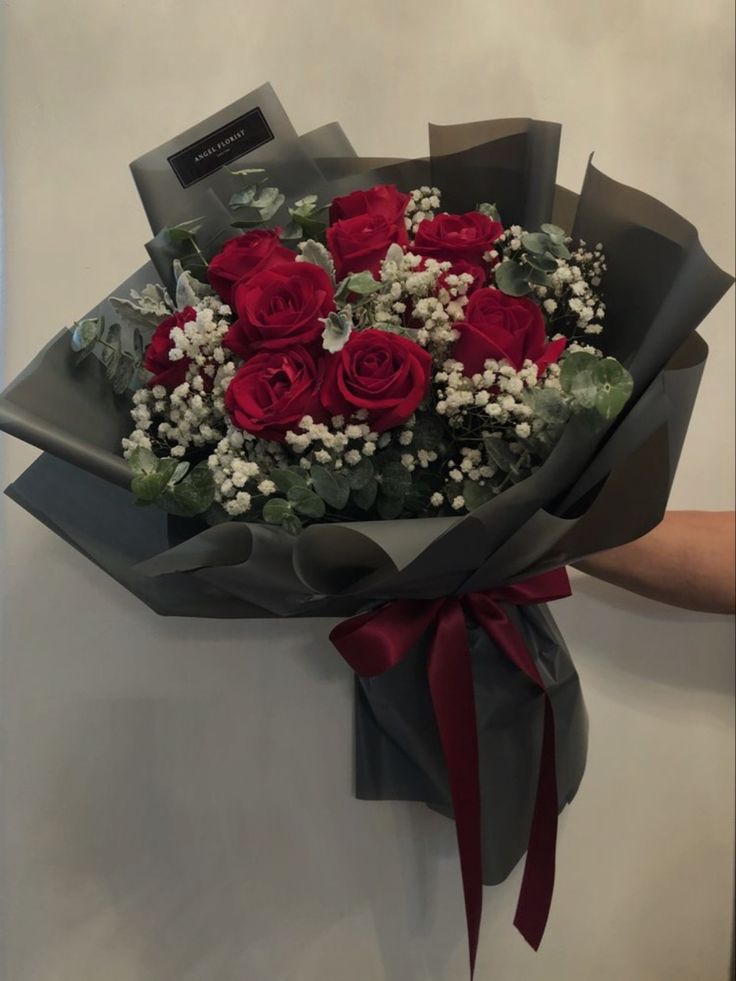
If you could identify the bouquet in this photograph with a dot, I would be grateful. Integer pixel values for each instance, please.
(402, 392)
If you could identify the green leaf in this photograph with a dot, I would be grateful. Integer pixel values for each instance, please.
(332, 487)
(363, 284)
(537, 278)
(554, 231)
(192, 495)
(543, 263)
(475, 495)
(147, 487)
(360, 475)
(388, 507)
(429, 432)
(268, 202)
(85, 334)
(143, 460)
(365, 497)
(123, 375)
(292, 524)
(578, 379)
(286, 479)
(615, 386)
(246, 171)
(149, 484)
(395, 480)
(318, 255)
(276, 510)
(306, 502)
(292, 232)
(501, 455)
(241, 199)
(185, 231)
(139, 347)
(536, 242)
(511, 279)
(113, 352)
(548, 404)
(488, 209)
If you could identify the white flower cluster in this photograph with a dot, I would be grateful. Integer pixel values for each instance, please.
(572, 293)
(193, 414)
(342, 444)
(240, 465)
(493, 397)
(423, 205)
(414, 299)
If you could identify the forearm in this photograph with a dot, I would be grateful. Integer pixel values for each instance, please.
(686, 561)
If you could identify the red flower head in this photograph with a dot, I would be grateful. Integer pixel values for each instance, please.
(501, 327)
(383, 373)
(244, 256)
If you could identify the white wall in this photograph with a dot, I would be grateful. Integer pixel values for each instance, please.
(134, 847)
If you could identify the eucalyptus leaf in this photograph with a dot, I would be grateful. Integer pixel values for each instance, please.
(292, 524)
(511, 279)
(365, 497)
(389, 508)
(86, 333)
(615, 386)
(242, 199)
(578, 378)
(501, 455)
(395, 480)
(286, 479)
(536, 242)
(544, 263)
(139, 347)
(306, 502)
(143, 460)
(246, 171)
(276, 510)
(488, 209)
(192, 495)
(331, 486)
(292, 232)
(361, 474)
(475, 495)
(554, 231)
(123, 375)
(429, 432)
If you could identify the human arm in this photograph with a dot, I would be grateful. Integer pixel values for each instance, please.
(688, 560)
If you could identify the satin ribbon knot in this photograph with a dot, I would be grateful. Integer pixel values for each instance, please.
(376, 641)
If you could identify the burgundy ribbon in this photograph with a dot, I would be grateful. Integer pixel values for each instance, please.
(377, 641)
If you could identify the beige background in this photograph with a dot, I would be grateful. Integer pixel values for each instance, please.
(130, 848)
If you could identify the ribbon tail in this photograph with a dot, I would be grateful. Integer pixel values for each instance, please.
(535, 897)
(451, 686)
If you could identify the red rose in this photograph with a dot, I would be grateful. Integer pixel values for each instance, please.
(165, 371)
(279, 308)
(449, 238)
(273, 391)
(243, 256)
(361, 243)
(385, 200)
(501, 327)
(383, 373)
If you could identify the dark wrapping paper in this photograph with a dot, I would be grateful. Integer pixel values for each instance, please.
(598, 489)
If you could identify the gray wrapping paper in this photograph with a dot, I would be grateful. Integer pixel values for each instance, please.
(597, 489)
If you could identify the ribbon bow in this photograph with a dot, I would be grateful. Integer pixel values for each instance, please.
(377, 641)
